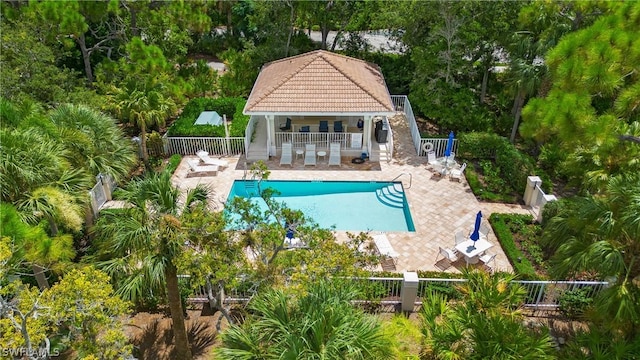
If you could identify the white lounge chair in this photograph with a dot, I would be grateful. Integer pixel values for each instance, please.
(457, 173)
(286, 158)
(386, 251)
(334, 154)
(310, 154)
(207, 160)
(201, 170)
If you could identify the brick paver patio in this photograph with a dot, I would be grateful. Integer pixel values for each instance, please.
(439, 207)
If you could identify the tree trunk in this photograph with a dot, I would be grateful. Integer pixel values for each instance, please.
(325, 34)
(291, 28)
(216, 302)
(183, 351)
(517, 109)
(86, 58)
(41, 279)
(483, 88)
(134, 21)
(143, 143)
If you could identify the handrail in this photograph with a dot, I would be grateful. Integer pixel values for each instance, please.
(404, 173)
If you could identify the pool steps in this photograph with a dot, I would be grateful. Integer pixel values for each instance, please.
(391, 196)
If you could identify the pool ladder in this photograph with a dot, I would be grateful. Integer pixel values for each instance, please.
(410, 178)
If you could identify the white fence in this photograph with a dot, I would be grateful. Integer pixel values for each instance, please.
(439, 145)
(220, 146)
(101, 192)
(386, 294)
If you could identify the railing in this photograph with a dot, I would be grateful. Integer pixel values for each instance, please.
(402, 104)
(439, 145)
(535, 197)
(213, 145)
(101, 192)
(387, 293)
(322, 140)
(389, 138)
(248, 133)
(410, 179)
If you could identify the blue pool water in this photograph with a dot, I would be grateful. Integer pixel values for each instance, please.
(347, 205)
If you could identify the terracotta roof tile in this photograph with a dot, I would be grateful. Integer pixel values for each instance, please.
(319, 81)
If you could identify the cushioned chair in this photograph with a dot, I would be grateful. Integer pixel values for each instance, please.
(324, 126)
(207, 160)
(286, 126)
(337, 127)
(304, 129)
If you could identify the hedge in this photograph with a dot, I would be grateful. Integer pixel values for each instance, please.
(521, 265)
(232, 107)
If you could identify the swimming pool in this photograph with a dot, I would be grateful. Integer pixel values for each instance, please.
(347, 205)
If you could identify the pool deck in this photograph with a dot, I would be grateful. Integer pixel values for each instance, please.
(439, 207)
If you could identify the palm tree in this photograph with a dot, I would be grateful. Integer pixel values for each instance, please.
(321, 324)
(94, 140)
(599, 233)
(485, 323)
(144, 108)
(143, 242)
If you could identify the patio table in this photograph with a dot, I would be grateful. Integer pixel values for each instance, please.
(447, 165)
(471, 251)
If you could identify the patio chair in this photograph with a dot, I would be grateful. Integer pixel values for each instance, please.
(457, 173)
(334, 154)
(324, 126)
(304, 129)
(287, 154)
(485, 229)
(460, 238)
(487, 258)
(431, 158)
(207, 160)
(310, 154)
(286, 126)
(337, 127)
(452, 157)
(449, 256)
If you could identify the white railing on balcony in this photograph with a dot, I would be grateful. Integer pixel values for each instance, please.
(321, 139)
(439, 145)
(389, 138)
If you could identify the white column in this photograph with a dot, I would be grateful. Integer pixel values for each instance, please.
(366, 132)
(529, 192)
(545, 199)
(271, 139)
(409, 290)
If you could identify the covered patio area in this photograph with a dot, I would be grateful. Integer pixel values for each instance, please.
(319, 98)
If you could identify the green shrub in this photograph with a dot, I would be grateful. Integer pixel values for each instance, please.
(479, 145)
(573, 303)
(485, 194)
(232, 107)
(173, 163)
(521, 265)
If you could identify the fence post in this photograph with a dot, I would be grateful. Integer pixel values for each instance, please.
(409, 290)
(545, 199)
(529, 192)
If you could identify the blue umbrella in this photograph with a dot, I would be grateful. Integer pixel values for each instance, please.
(447, 152)
(475, 235)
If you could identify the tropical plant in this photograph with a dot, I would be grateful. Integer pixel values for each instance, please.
(140, 244)
(485, 323)
(600, 233)
(319, 324)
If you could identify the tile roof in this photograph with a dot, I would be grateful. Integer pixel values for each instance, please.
(319, 81)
